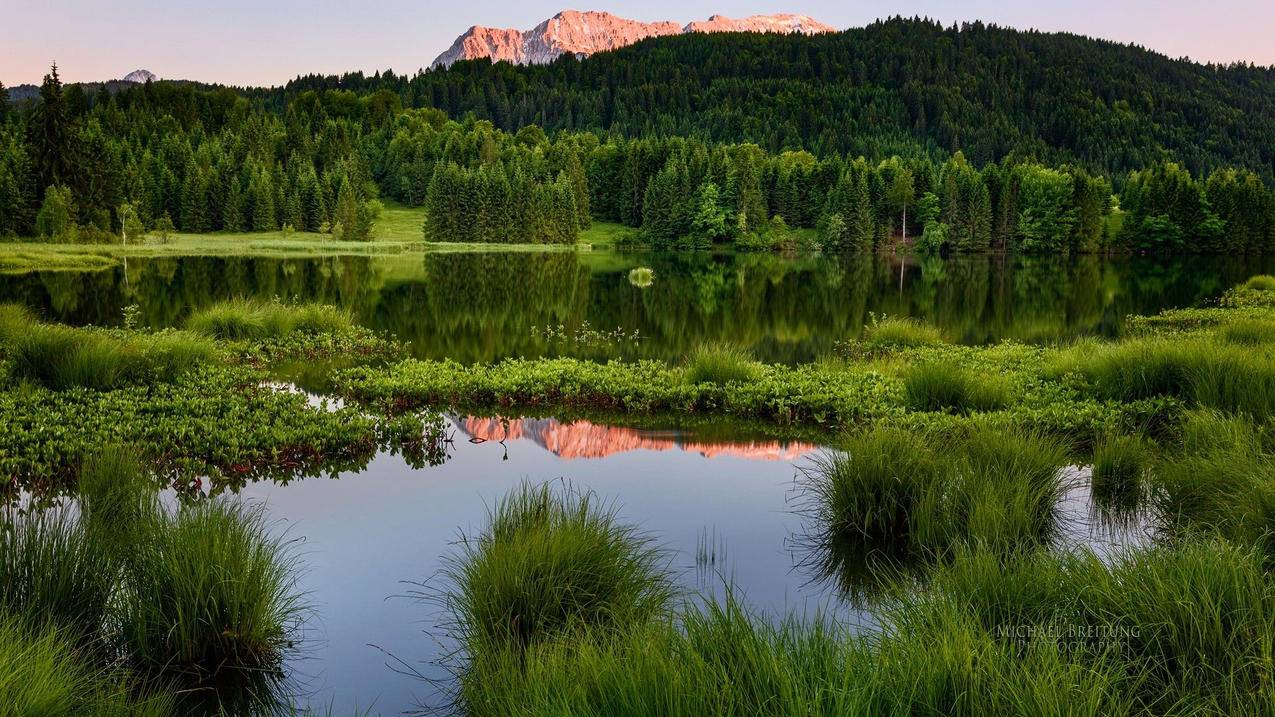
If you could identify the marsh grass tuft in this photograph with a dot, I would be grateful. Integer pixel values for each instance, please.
(1120, 467)
(61, 357)
(1204, 373)
(1224, 491)
(1261, 282)
(552, 560)
(1248, 332)
(50, 572)
(1124, 616)
(211, 601)
(889, 498)
(894, 333)
(935, 386)
(15, 319)
(721, 364)
(43, 673)
(249, 319)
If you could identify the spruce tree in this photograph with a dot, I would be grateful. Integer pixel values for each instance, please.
(51, 135)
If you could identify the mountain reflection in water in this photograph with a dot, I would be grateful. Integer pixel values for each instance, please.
(584, 439)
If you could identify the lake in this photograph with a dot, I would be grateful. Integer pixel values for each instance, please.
(724, 502)
(727, 511)
(477, 307)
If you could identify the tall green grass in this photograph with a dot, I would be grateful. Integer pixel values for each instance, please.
(549, 560)
(14, 321)
(1120, 466)
(249, 319)
(1248, 332)
(1261, 282)
(897, 494)
(1186, 629)
(1227, 492)
(50, 572)
(44, 674)
(935, 386)
(894, 333)
(61, 357)
(211, 601)
(1204, 373)
(721, 364)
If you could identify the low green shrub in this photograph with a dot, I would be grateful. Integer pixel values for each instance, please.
(721, 364)
(938, 386)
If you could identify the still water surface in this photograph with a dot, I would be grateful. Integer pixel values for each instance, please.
(728, 511)
(487, 306)
(372, 536)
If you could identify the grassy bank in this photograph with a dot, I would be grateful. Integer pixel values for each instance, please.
(113, 604)
(198, 403)
(1031, 632)
(901, 373)
(398, 232)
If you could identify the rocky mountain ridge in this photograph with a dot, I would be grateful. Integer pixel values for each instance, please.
(584, 33)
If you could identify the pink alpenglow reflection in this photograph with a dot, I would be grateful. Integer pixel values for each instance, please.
(585, 439)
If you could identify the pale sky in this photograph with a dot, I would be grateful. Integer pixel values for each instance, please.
(267, 42)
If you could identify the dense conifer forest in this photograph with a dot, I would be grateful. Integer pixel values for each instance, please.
(967, 139)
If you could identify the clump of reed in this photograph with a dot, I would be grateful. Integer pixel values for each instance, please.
(1260, 282)
(250, 319)
(1124, 619)
(892, 493)
(1121, 463)
(722, 661)
(61, 357)
(52, 573)
(1220, 483)
(939, 386)
(201, 599)
(1203, 373)
(44, 673)
(550, 560)
(210, 599)
(15, 319)
(899, 333)
(721, 364)
(1248, 332)
(1024, 631)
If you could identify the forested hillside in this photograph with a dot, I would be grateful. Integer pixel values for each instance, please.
(894, 87)
(981, 139)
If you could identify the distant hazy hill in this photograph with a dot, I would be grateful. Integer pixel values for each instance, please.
(571, 32)
(136, 77)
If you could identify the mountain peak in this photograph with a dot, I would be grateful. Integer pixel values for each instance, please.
(584, 32)
(141, 77)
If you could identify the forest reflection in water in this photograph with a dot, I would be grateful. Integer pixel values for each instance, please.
(474, 307)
